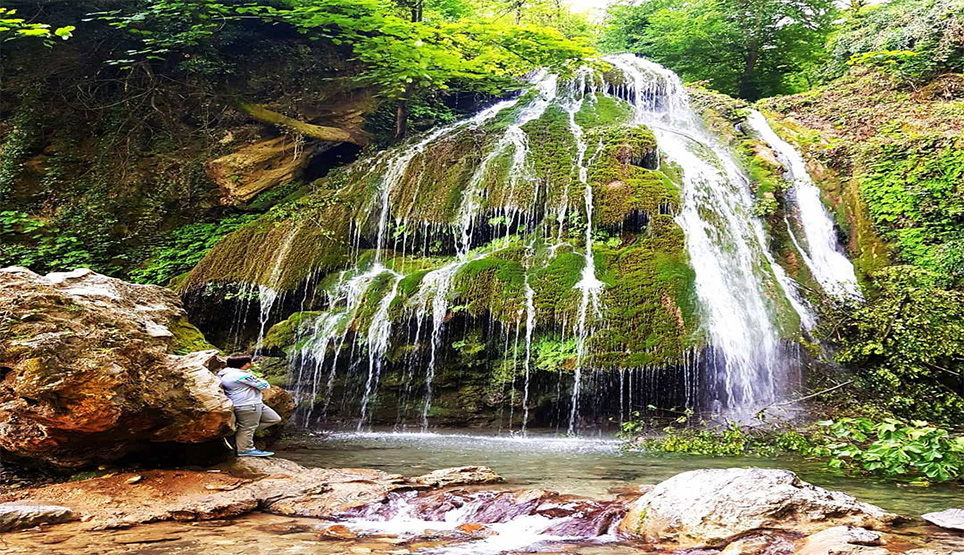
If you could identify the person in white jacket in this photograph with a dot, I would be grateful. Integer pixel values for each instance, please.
(244, 389)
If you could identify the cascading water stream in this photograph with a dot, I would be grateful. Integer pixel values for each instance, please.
(589, 284)
(822, 253)
(379, 332)
(725, 243)
(436, 285)
(268, 294)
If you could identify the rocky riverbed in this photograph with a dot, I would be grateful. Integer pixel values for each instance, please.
(275, 505)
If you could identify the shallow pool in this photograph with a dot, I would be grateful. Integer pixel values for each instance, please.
(591, 467)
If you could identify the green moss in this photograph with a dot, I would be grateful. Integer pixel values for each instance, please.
(187, 338)
(552, 149)
(603, 111)
(651, 306)
(285, 333)
(491, 284)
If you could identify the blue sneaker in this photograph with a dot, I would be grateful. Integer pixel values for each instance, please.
(255, 453)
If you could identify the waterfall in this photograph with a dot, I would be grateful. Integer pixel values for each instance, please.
(268, 294)
(379, 332)
(725, 243)
(821, 252)
(436, 285)
(748, 308)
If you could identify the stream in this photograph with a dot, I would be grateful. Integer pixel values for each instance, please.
(593, 467)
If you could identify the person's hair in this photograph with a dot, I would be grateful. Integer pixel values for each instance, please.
(239, 360)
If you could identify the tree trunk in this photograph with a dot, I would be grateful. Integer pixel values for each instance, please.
(401, 119)
(321, 132)
(747, 86)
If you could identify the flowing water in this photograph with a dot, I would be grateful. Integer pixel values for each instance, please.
(749, 366)
(821, 252)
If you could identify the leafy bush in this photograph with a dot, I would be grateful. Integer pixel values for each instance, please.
(40, 246)
(906, 344)
(890, 447)
(184, 248)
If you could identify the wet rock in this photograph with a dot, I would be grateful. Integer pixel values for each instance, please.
(842, 540)
(471, 528)
(952, 519)
(462, 476)
(256, 466)
(90, 370)
(14, 516)
(338, 531)
(709, 507)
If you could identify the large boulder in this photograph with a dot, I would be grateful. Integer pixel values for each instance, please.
(711, 507)
(14, 516)
(88, 369)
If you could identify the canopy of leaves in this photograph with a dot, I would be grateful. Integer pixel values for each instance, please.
(933, 30)
(402, 55)
(750, 48)
(13, 27)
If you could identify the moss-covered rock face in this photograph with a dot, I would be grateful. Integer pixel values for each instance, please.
(444, 280)
(889, 159)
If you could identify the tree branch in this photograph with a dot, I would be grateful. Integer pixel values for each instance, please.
(321, 132)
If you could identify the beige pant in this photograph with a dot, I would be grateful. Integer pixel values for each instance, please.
(251, 419)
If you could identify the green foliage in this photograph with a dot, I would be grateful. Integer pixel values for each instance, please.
(13, 27)
(885, 33)
(554, 354)
(183, 248)
(906, 344)
(751, 49)
(895, 62)
(889, 447)
(33, 243)
(914, 188)
(404, 55)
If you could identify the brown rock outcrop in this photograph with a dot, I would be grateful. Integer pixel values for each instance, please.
(88, 370)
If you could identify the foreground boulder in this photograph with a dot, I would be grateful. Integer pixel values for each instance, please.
(711, 507)
(92, 367)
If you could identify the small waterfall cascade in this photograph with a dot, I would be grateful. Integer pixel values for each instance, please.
(571, 255)
(725, 242)
(819, 249)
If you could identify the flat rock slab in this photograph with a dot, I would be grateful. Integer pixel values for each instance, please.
(14, 516)
(952, 519)
(271, 485)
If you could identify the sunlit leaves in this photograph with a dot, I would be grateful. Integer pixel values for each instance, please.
(13, 27)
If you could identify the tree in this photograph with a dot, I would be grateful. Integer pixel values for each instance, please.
(750, 48)
(406, 48)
